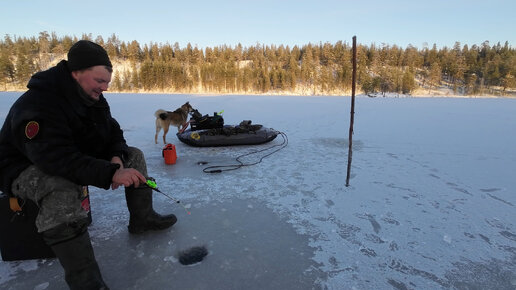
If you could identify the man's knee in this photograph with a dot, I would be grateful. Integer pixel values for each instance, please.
(34, 184)
(30, 184)
(61, 207)
(136, 160)
(65, 231)
(59, 200)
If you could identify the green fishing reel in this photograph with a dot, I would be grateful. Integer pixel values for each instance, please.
(151, 183)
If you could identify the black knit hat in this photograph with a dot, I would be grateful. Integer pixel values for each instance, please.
(84, 54)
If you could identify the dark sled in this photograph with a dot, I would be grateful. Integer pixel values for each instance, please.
(228, 136)
(19, 238)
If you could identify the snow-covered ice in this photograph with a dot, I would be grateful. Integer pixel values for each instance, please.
(431, 202)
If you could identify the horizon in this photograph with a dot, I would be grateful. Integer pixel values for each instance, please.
(229, 22)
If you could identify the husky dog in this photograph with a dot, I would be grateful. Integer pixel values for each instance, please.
(177, 118)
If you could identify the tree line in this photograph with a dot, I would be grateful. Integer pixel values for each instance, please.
(323, 68)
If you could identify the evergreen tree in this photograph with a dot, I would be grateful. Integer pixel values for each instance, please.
(99, 40)
(435, 74)
(113, 46)
(134, 78)
(408, 82)
(44, 42)
(134, 52)
(6, 69)
(470, 83)
(308, 72)
(508, 82)
(116, 83)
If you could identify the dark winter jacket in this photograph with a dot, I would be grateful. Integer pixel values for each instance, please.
(72, 140)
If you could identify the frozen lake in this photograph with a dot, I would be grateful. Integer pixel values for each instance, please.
(431, 202)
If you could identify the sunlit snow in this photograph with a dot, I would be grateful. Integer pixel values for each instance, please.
(431, 202)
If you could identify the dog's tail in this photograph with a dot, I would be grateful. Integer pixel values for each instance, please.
(162, 114)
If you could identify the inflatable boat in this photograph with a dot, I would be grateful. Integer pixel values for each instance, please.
(228, 135)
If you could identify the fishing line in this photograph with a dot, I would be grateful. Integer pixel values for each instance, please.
(176, 200)
(151, 182)
(222, 168)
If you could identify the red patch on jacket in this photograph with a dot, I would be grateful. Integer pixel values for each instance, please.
(31, 129)
(85, 202)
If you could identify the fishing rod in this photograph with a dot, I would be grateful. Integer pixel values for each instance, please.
(151, 182)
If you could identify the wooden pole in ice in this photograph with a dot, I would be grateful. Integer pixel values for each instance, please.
(352, 118)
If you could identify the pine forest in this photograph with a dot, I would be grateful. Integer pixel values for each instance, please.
(311, 69)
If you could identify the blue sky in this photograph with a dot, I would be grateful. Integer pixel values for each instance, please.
(290, 22)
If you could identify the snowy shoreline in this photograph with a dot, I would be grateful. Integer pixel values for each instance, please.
(511, 95)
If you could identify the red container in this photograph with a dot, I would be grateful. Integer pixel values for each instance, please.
(169, 153)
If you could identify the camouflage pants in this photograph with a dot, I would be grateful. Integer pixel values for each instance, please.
(59, 199)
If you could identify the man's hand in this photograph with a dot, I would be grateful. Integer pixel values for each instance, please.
(127, 177)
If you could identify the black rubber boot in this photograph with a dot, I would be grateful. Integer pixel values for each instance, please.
(142, 216)
(76, 257)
